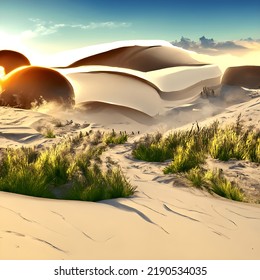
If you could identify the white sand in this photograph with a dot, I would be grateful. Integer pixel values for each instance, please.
(165, 219)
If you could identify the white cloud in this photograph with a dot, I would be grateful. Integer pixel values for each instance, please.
(43, 28)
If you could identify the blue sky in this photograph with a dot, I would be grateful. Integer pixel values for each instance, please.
(55, 25)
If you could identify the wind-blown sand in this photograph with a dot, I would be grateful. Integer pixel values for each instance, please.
(165, 219)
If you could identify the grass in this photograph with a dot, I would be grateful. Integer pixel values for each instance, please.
(96, 185)
(152, 148)
(220, 143)
(38, 173)
(115, 138)
(185, 158)
(188, 150)
(49, 133)
(214, 181)
(196, 176)
(221, 186)
(20, 174)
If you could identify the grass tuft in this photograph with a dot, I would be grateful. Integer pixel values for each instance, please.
(185, 158)
(115, 138)
(221, 186)
(44, 173)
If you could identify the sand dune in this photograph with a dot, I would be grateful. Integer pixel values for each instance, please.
(140, 58)
(29, 84)
(165, 219)
(137, 90)
(244, 76)
(118, 90)
(11, 60)
(69, 57)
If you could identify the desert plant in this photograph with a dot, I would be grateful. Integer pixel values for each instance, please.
(152, 148)
(55, 162)
(19, 174)
(26, 171)
(196, 176)
(185, 158)
(221, 186)
(49, 132)
(207, 92)
(115, 138)
(95, 185)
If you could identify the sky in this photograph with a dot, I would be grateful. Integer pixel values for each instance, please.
(51, 26)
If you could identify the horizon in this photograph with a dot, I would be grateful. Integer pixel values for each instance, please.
(51, 27)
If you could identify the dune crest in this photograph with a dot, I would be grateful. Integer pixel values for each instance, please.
(140, 58)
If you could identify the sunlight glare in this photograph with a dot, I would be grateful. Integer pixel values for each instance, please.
(2, 72)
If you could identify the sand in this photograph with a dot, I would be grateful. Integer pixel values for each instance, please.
(165, 219)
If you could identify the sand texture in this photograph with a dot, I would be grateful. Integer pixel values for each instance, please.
(138, 87)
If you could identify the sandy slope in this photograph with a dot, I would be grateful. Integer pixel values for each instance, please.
(165, 219)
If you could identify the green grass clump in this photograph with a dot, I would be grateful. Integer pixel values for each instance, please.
(95, 185)
(185, 158)
(214, 181)
(227, 144)
(56, 164)
(155, 148)
(49, 133)
(221, 186)
(230, 142)
(114, 138)
(19, 174)
(45, 173)
(152, 148)
(196, 176)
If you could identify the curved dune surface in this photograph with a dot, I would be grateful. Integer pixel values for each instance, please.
(244, 76)
(26, 85)
(140, 58)
(139, 76)
(11, 60)
(138, 90)
(116, 89)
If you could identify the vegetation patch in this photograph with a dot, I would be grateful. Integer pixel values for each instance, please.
(215, 181)
(189, 149)
(75, 162)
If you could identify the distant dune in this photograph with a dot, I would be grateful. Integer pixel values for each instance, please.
(29, 84)
(11, 60)
(244, 76)
(140, 58)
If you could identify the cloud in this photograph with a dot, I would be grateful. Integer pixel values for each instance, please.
(95, 25)
(43, 28)
(205, 43)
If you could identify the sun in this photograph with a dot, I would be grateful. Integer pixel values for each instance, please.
(17, 43)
